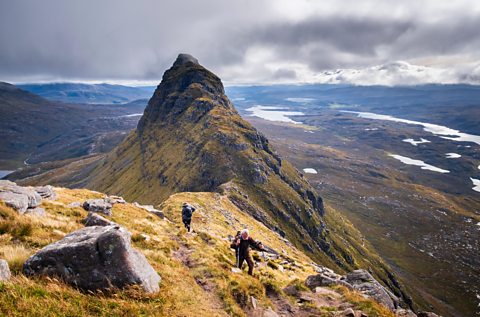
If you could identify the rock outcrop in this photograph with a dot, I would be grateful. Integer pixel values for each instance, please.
(46, 192)
(359, 280)
(95, 258)
(364, 282)
(321, 279)
(4, 271)
(18, 197)
(25, 200)
(98, 205)
(94, 219)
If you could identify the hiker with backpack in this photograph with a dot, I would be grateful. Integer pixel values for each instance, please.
(242, 244)
(187, 212)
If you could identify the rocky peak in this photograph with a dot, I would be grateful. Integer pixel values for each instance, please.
(186, 84)
(185, 58)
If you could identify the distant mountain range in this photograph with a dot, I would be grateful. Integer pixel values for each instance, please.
(34, 129)
(89, 93)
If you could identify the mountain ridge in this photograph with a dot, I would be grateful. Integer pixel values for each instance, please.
(87, 93)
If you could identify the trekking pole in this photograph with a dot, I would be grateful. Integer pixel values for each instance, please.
(238, 256)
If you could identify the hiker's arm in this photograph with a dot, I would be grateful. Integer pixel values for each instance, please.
(255, 244)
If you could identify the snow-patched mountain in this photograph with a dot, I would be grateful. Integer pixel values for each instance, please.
(392, 74)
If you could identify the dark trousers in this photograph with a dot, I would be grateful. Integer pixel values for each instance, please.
(248, 258)
(187, 222)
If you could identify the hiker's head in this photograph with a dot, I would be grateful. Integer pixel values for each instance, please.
(244, 234)
(184, 204)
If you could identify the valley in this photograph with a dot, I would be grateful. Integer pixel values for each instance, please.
(35, 130)
(417, 206)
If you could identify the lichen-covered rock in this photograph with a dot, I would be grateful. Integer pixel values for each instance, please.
(46, 192)
(4, 271)
(18, 197)
(94, 219)
(98, 205)
(364, 282)
(95, 258)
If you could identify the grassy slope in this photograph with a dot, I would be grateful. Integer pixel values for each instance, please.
(195, 268)
(345, 184)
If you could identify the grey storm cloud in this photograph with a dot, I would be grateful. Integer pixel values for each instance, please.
(242, 41)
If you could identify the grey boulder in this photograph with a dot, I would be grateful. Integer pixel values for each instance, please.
(364, 282)
(18, 197)
(95, 258)
(46, 192)
(98, 205)
(4, 271)
(94, 219)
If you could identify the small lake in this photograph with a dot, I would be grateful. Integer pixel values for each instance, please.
(310, 170)
(300, 100)
(422, 164)
(416, 142)
(476, 186)
(452, 155)
(274, 113)
(442, 131)
(4, 173)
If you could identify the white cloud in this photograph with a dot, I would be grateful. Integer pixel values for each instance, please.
(400, 73)
(250, 41)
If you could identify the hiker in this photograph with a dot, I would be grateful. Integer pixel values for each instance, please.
(242, 243)
(187, 211)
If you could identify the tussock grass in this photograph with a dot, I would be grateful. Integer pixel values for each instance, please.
(15, 255)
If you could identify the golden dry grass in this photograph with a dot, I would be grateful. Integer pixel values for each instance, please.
(195, 268)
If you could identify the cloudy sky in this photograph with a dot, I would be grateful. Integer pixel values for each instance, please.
(244, 41)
